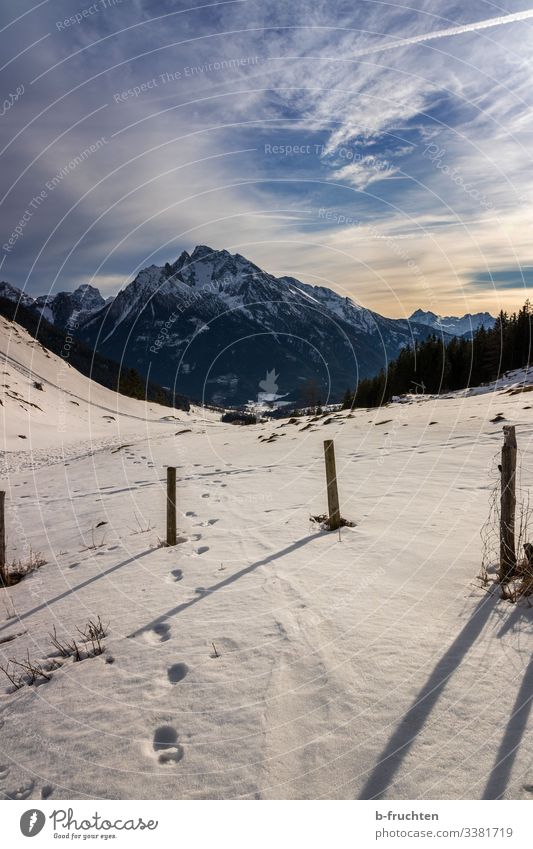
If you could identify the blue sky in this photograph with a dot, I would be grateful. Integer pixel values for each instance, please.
(380, 148)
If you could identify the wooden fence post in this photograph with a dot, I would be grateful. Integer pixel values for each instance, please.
(334, 513)
(171, 505)
(508, 505)
(3, 567)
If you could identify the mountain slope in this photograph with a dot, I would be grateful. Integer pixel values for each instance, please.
(48, 406)
(100, 369)
(213, 324)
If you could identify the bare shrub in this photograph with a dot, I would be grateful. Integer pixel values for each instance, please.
(93, 632)
(28, 672)
(94, 542)
(142, 527)
(14, 572)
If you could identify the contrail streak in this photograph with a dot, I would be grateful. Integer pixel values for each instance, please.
(445, 33)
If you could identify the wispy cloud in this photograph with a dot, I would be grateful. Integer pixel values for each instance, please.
(354, 92)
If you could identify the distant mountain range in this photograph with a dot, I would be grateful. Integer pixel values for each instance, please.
(217, 328)
(466, 325)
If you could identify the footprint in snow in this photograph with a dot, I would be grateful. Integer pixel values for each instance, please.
(166, 744)
(190, 513)
(202, 549)
(4, 771)
(177, 574)
(47, 791)
(177, 672)
(160, 633)
(20, 792)
(206, 495)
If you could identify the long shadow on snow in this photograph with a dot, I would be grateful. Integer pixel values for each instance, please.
(226, 582)
(414, 720)
(75, 589)
(517, 723)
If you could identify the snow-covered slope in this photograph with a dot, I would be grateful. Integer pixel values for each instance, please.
(48, 407)
(454, 325)
(261, 657)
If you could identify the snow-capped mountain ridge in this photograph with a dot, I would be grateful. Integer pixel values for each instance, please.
(455, 325)
(63, 308)
(222, 323)
(234, 280)
(211, 324)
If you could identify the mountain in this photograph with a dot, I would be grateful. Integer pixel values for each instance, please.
(61, 309)
(217, 328)
(13, 294)
(68, 308)
(466, 325)
(213, 324)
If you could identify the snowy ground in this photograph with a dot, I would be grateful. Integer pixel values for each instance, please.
(261, 657)
(51, 413)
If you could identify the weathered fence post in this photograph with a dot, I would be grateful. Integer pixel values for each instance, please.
(508, 505)
(334, 513)
(171, 505)
(3, 568)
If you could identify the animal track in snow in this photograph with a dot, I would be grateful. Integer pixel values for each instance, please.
(190, 513)
(166, 744)
(202, 549)
(47, 791)
(177, 672)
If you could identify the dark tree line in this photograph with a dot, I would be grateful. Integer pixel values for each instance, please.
(434, 366)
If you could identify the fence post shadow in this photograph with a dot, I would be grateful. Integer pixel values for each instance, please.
(514, 732)
(417, 715)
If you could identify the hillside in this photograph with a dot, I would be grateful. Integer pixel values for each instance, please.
(49, 408)
(262, 657)
(107, 372)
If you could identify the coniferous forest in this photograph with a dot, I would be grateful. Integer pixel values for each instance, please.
(435, 366)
